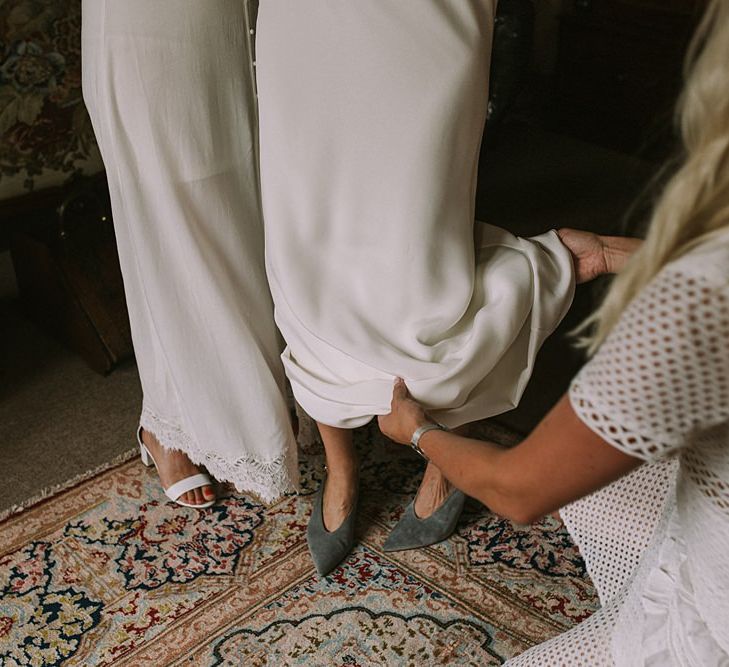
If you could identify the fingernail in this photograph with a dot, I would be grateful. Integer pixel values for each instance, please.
(208, 493)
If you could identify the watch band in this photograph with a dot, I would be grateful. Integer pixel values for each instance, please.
(420, 432)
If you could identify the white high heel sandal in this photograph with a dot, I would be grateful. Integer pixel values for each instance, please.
(180, 488)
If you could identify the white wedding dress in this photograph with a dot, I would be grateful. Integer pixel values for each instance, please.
(170, 88)
(371, 117)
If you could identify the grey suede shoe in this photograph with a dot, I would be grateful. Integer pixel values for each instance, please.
(329, 548)
(412, 532)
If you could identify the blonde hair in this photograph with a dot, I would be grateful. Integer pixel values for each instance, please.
(694, 206)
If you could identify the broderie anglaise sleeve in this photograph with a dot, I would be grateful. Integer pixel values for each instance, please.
(662, 374)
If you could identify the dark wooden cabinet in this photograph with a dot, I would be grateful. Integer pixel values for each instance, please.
(68, 272)
(619, 70)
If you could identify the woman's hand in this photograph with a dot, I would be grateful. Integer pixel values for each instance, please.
(594, 255)
(588, 253)
(406, 416)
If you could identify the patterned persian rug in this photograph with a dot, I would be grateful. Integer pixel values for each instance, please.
(111, 573)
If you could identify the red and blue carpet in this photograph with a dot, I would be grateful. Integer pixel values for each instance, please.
(111, 573)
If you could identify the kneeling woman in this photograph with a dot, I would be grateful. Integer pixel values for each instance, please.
(637, 454)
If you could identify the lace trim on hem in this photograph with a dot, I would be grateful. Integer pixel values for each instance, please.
(267, 480)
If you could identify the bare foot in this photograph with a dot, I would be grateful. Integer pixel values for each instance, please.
(433, 491)
(174, 466)
(340, 491)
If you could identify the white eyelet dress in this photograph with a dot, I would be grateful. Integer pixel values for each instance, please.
(656, 542)
(371, 117)
(169, 85)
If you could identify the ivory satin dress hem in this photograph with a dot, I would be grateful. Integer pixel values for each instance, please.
(371, 119)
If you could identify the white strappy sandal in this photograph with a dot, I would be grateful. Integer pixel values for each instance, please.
(178, 489)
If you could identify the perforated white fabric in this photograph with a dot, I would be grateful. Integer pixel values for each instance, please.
(627, 514)
(658, 389)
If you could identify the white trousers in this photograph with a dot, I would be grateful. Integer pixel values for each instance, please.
(169, 85)
(371, 117)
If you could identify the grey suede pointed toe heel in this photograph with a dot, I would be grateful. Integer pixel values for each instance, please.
(412, 532)
(329, 548)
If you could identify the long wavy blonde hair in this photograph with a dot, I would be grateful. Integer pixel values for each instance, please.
(694, 206)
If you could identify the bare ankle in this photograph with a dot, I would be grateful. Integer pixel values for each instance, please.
(343, 468)
(149, 439)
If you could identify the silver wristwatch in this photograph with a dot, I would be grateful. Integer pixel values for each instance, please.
(420, 432)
